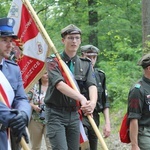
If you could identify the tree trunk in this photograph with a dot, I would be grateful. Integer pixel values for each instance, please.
(146, 25)
(93, 20)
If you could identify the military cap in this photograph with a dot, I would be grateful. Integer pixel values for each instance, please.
(145, 61)
(70, 29)
(89, 50)
(6, 27)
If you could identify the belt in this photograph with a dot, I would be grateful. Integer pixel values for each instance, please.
(60, 108)
(2, 127)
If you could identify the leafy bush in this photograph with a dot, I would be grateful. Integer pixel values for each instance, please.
(121, 73)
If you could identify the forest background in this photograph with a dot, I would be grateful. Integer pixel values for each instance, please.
(115, 27)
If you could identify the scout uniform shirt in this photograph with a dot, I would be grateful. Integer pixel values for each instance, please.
(139, 102)
(82, 73)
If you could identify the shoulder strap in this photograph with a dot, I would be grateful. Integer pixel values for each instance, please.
(39, 89)
(39, 99)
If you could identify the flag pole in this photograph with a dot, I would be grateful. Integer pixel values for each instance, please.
(51, 46)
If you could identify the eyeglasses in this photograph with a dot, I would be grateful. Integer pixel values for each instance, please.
(71, 38)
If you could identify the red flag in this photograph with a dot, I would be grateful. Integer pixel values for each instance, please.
(33, 49)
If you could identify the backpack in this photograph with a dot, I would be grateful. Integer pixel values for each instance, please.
(124, 130)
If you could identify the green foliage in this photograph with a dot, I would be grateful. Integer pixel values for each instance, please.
(4, 7)
(119, 34)
(121, 71)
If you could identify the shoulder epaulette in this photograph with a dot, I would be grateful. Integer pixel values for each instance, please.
(11, 62)
(101, 71)
(85, 59)
(52, 56)
(137, 85)
(50, 59)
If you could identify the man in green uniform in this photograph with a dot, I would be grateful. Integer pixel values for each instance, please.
(139, 109)
(61, 105)
(102, 105)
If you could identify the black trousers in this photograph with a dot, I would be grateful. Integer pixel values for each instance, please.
(93, 140)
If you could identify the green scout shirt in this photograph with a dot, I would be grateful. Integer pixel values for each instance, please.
(139, 102)
(82, 73)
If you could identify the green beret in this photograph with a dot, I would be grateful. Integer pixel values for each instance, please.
(70, 29)
(145, 61)
(89, 50)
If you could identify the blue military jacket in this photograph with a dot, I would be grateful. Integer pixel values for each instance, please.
(20, 101)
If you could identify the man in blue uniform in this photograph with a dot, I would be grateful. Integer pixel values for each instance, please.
(17, 113)
(61, 109)
(139, 108)
(102, 105)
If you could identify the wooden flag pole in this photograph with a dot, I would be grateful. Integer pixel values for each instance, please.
(22, 142)
(52, 47)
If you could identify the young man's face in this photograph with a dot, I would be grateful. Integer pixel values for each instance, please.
(72, 42)
(5, 46)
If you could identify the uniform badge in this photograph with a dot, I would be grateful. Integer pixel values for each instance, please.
(53, 55)
(93, 75)
(81, 69)
(148, 101)
(137, 85)
(10, 22)
(148, 96)
(51, 63)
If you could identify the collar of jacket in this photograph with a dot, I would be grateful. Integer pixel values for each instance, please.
(146, 79)
(66, 58)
